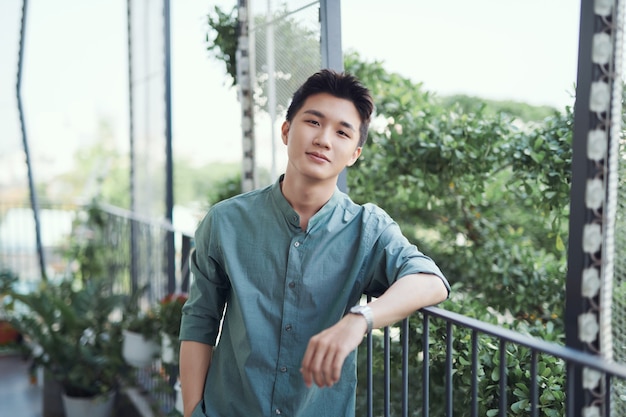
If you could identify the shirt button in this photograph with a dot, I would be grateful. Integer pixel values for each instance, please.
(283, 369)
(292, 284)
(296, 244)
(288, 327)
(278, 412)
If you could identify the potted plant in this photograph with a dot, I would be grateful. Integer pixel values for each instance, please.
(69, 327)
(8, 333)
(141, 333)
(170, 314)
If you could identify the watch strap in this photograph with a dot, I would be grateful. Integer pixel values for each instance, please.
(367, 314)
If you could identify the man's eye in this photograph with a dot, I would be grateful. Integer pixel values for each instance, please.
(313, 122)
(342, 133)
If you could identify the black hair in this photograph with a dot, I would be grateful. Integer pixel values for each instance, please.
(341, 85)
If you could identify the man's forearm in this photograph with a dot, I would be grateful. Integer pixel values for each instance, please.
(408, 294)
(195, 359)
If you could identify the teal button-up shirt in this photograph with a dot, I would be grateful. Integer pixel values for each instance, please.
(281, 286)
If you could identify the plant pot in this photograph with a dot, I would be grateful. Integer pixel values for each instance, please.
(8, 334)
(168, 352)
(137, 350)
(52, 396)
(99, 406)
(179, 398)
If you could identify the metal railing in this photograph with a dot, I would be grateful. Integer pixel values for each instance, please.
(440, 390)
(463, 370)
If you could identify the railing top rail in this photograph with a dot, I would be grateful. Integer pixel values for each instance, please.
(564, 352)
(127, 214)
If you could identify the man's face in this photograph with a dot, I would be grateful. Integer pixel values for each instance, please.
(323, 137)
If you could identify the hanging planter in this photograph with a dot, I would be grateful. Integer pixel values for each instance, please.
(137, 350)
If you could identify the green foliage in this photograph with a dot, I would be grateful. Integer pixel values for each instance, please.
(221, 41)
(522, 111)
(296, 46)
(170, 312)
(99, 170)
(551, 371)
(487, 197)
(146, 322)
(484, 197)
(73, 336)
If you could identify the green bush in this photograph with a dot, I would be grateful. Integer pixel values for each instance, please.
(486, 195)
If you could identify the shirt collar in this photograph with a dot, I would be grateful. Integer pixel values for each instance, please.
(292, 216)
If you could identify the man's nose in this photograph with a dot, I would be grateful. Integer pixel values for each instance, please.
(323, 138)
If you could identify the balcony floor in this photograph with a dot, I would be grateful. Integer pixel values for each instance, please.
(18, 396)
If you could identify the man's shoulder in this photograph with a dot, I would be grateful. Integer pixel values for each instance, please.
(371, 215)
(371, 212)
(243, 200)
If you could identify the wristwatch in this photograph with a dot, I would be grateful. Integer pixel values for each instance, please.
(366, 312)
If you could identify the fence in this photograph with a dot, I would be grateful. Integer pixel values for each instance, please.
(469, 367)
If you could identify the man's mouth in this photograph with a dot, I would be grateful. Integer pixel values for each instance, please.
(318, 156)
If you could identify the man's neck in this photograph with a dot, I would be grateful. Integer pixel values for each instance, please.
(306, 197)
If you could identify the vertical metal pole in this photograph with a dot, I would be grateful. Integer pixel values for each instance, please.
(169, 162)
(331, 50)
(245, 75)
(585, 119)
(131, 138)
(330, 22)
(31, 182)
(271, 86)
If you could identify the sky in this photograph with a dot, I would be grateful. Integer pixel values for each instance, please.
(75, 67)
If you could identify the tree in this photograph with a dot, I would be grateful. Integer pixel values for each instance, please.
(487, 197)
(476, 191)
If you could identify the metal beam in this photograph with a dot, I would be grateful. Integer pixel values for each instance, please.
(31, 182)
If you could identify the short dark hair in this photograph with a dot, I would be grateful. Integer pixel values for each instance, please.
(340, 85)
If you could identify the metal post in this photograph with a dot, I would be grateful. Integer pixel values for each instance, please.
(134, 261)
(31, 182)
(271, 86)
(588, 228)
(331, 50)
(169, 163)
(245, 75)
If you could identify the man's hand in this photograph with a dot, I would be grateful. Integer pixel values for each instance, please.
(327, 351)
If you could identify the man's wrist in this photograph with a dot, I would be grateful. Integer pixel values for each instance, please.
(367, 314)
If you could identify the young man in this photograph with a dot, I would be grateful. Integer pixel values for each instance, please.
(290, 262)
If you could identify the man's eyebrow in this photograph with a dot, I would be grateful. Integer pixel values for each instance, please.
(322, 116)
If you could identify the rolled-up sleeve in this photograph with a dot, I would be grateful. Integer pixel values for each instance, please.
(394, 257)
(209, 289)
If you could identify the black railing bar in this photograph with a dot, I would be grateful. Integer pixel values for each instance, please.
(449, 353)
(387, 370)
(475, 373)
(503, 382)
(563, 352)
(425, 365)
(405, 367)
(571, 389)
(534, 385)
(370, 371)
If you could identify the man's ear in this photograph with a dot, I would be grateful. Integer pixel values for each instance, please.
(284, 129)
(355, 156)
